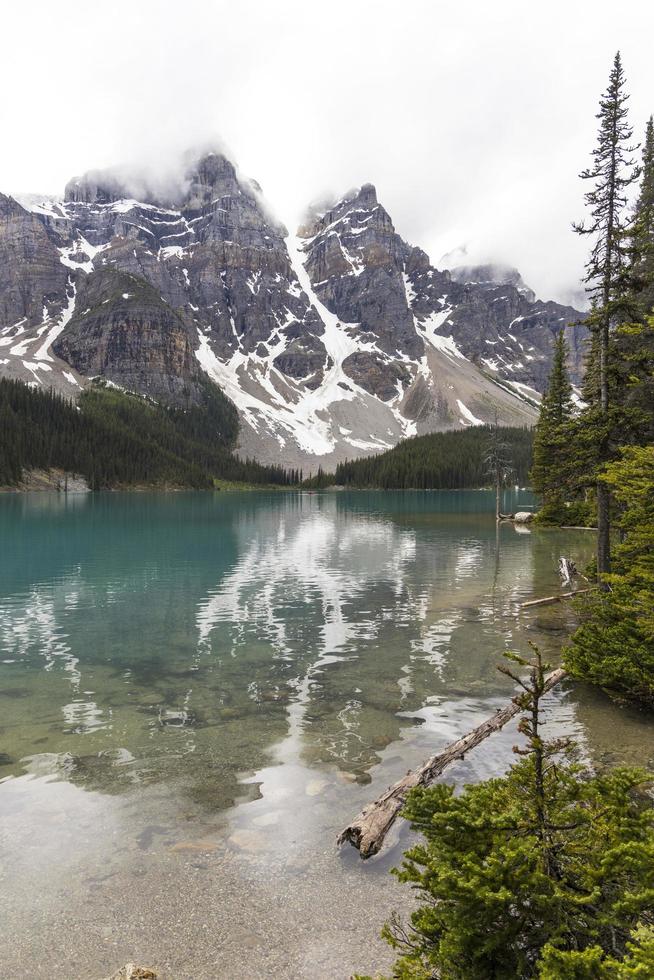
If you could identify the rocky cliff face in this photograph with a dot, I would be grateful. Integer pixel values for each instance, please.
(124, 331)
(31, 274)
(36, 292)
(363, 271)
(501, 325)
(333, 343)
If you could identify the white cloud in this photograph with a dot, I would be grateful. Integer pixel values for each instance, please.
(473, 121)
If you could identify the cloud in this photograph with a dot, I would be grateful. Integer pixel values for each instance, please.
(473, 125)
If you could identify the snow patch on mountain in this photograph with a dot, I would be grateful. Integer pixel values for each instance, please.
(468, 417)
(43, 353)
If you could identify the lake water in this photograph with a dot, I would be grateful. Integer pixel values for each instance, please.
(197, 691)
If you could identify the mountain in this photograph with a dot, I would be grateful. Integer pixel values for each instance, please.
(332, 343)
(492, 274)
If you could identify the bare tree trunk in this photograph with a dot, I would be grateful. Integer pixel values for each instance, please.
(368, 830)
(603, 494)
(603, 533)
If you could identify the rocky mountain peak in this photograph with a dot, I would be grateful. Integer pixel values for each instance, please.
(417, 262)
(9, 206)
(95, 187)
(367, 195)
(492, 274)
(195, 184)
(212, 176)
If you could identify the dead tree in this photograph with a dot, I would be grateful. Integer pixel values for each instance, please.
(368, 830)
(498, 465)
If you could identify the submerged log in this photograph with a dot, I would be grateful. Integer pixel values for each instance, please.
(369, 828)
(546, 600)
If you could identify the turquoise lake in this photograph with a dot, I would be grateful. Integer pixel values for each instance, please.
(197, 691)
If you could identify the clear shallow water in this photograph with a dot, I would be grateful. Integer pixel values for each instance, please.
(198, 690)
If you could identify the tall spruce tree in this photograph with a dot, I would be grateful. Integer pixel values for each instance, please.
(633, 343)
(611, 174)
(642, 231)
(551, 465)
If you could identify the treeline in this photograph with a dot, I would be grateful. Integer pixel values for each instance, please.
(572, 447)
(438, 461)
(115, 439)
(596, 466)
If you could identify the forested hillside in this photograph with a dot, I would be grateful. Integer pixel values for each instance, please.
(440, 460)
(114, 439)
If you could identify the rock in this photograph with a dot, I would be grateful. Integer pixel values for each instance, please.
(133, 972)
(53, 479)
(377, 374)
(523, 517)
(316, 786)
(267, 819)
(251, 841)
(194, 846)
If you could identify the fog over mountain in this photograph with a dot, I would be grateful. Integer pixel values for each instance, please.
(335, 337)
(472, 128)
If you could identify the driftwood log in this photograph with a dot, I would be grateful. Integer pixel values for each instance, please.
(546, 600)
(369, 828)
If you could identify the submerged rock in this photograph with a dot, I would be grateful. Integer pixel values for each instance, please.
(133, 972)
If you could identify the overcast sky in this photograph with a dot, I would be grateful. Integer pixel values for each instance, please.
(472, 119)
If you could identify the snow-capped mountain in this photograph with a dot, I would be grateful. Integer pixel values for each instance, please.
(332, 343)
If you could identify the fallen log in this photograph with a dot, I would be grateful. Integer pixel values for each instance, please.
(553, 598)
(368, 830)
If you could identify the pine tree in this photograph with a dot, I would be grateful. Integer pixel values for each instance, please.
(552, 453)
(593, 964)
(641, 233)
(545, 858)
(633, 357)
(612, 173)
(614, 645)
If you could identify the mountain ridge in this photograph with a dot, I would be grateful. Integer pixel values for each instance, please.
(334, 342)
